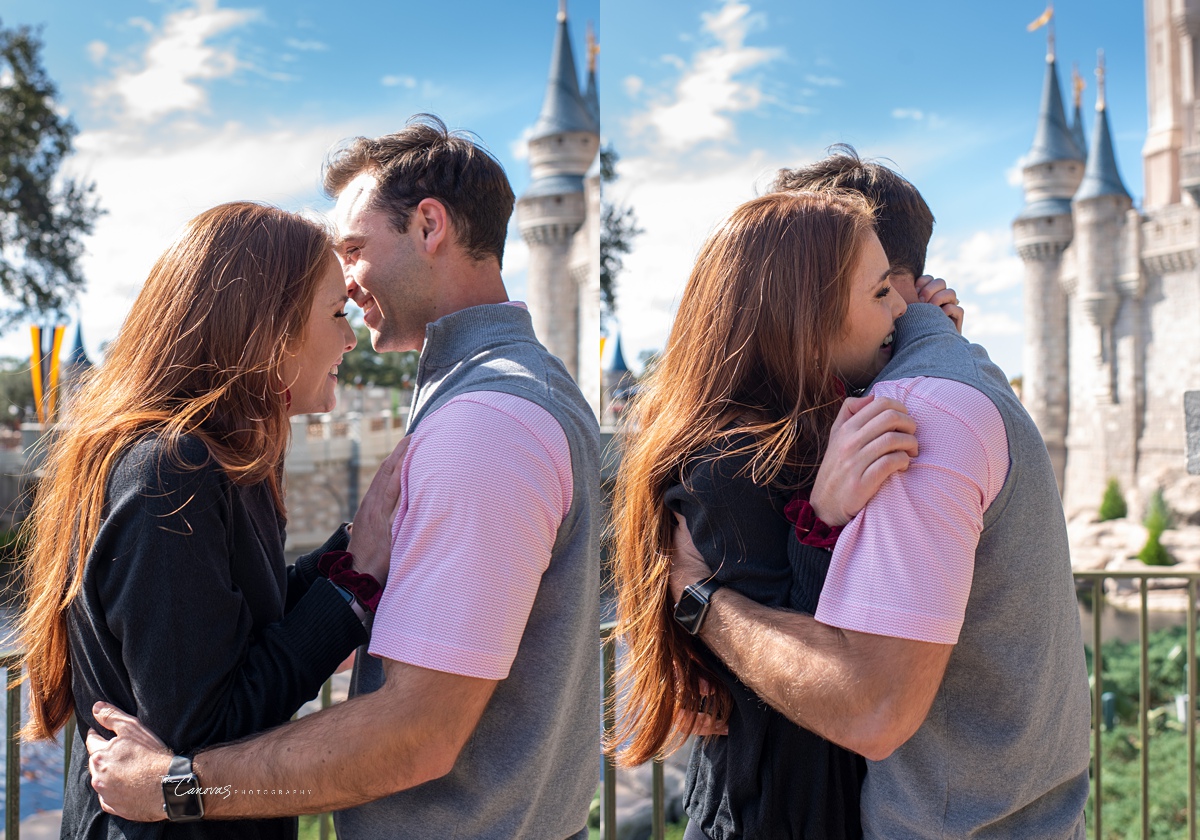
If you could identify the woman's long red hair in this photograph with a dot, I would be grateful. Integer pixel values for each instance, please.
(768, 295)
(199, 354)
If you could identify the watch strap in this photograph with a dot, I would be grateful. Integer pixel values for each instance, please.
(705, 589)
(181, 765)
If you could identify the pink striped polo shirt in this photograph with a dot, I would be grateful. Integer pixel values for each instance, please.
(903, 567)
(485, 485)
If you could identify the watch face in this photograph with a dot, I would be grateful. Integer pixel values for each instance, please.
(691, 609)
(181, 798)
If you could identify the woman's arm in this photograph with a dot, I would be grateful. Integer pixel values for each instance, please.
(200, 670)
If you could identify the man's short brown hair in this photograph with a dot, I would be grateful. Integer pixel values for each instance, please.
(903, 221)
(426, 160)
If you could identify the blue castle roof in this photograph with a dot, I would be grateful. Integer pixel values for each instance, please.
(1053, 140)
(617, 364)
(1101, 176)
(564, 108)
(1077, 128)
(78, 359)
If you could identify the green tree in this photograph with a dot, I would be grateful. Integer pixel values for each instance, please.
(16, 391)
(618, 229)
(363, 366)
(1158, 519)
(1113, 505)
(44, 215)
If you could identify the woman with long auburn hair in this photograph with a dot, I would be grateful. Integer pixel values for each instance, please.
(155, 574)
(787, 309)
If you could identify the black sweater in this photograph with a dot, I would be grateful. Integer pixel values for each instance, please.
(767, 778)
(190, 619)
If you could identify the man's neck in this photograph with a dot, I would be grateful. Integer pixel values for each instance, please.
(466, 283)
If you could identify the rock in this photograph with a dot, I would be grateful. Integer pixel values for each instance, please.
(634, 795)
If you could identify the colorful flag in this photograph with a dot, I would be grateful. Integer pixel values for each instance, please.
(1042, 19)
(35, 369)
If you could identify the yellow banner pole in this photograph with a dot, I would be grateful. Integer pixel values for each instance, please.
(57, 345)
(35, 370)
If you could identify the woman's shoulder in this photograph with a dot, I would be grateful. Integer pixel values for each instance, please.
(158, 460)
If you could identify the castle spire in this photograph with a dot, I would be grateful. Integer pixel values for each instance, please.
(1101, 176)
(1077, 87)
(1052, 141)
(591, 95)
(563, 109)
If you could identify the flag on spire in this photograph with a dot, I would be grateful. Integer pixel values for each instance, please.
(1041, 19)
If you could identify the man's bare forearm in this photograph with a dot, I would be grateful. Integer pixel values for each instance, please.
(319, 763)
(866, 693)
(408, 732)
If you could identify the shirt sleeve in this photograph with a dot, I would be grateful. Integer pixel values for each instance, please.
(485, 486)
(903, 567)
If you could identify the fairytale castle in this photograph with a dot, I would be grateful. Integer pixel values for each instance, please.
(559, 216)
(1112, 292)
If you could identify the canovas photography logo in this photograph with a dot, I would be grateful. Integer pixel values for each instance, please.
(181, 790)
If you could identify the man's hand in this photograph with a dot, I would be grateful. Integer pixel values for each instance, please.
(934, 290)
(687, 565)
(127, 770)
(371, 538)
(871, 439)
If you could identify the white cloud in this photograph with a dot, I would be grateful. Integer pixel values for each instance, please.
(311, 45)
(677, 213)
(398, 81)
(979, 322)
(633, 85)
(97, 50)
(519, 147)
(709, 90)
(178, 58)
(982, 263)
(823, 81)
(908, 114)
(1014, 175)
(150, 186)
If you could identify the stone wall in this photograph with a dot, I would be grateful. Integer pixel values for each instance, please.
(329, 467)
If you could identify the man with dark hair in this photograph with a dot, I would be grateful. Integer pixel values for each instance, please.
(945, 647)
(475, 714)
(903, 221)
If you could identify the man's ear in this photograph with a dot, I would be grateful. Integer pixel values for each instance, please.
(433, 223)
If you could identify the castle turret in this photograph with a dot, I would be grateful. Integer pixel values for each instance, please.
(564, 142)
(1104, 427)
(1100, 205)
(1043, 230)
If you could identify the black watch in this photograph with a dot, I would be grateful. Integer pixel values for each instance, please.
(693, 606)
(181, 792)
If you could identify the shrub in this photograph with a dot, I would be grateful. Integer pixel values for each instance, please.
(1113, 506)
(1158, 515)
(1153, 553)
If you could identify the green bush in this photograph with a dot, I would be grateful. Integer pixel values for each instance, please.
(1158, 515)
(1153, 553)
(1113, 506)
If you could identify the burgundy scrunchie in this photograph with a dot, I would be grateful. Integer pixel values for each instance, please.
(809, 527)
(336, 565)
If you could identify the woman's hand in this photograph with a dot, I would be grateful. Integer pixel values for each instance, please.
(934, 290)
(371, 536)
(871, 439)
(127, 769)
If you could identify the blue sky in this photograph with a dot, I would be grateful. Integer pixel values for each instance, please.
(704, 101)
(183, 104)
